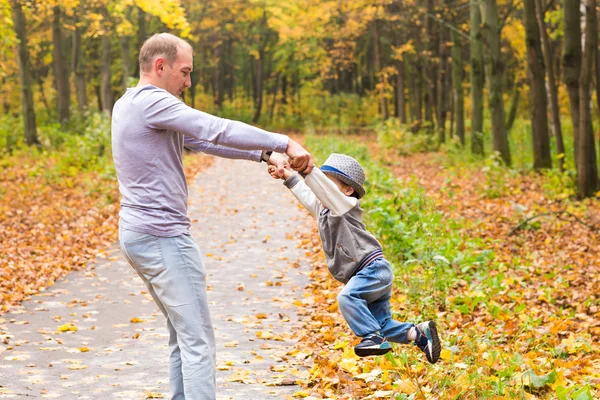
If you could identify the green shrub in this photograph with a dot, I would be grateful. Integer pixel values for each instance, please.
(88, 149)
(395, 136)
(83, 143)
(11, 134)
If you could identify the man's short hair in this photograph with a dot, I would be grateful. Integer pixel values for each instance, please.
(162, 45)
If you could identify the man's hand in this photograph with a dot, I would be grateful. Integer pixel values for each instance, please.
(300, 159)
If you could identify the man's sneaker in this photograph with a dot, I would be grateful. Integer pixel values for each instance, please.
(428, 340)
(372, 345)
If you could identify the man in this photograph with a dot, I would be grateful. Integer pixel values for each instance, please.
(150, 128)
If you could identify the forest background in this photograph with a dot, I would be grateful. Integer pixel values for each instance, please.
(507, 88)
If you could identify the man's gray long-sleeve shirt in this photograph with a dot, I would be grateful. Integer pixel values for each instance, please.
(150, 128)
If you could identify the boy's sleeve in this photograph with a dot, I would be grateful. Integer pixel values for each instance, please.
(304, 195)
(328, 193)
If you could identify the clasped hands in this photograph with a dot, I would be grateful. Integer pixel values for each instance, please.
(298, 159)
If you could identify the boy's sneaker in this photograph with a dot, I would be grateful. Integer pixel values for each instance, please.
(428, 340)
(372, 345)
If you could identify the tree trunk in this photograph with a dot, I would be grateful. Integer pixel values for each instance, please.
(79, 70)
(451, 107)
(416, 86)
(40, 82)
(141, 36)
(60, 72)
(5, 103)
(284, 84)
(260, 75)
(193, 94)
(495, 66)
(400, 99)
(410, 90)
(105, 63)
(429, 69)
(447, 96)
(251, 85)
(27, 107)
(587, 170)
(477, 75)
(275, 90)
(571, 62)
(219, 76)
(258, 94)
(420, 81)
(441, 92)
(125, 61)
(295, 96)
(457, 89)
(229, 71)
(98, 91)
(514, 107)
(598, 80)
(377, 69)
(538, 100)
(551, 83)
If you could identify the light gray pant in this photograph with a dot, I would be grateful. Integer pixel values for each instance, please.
(172, 269)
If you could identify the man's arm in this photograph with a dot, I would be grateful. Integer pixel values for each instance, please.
(198, 145)
(164, 111)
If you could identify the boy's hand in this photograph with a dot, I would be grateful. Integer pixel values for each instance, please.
(279, 161)
(275, 173)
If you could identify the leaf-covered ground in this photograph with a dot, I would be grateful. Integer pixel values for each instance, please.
(97, 332)
(526, 328)
(53, 221)
(555, 253)
(534, 334)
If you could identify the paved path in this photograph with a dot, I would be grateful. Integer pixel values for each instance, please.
(113, 343)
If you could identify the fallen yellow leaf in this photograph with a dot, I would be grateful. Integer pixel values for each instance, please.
(445, 354)
(67, 328)
(349, 365)
(405, 386)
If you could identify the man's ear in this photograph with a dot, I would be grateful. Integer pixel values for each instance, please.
(159, 65)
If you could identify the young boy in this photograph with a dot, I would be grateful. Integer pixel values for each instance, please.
(354, 257)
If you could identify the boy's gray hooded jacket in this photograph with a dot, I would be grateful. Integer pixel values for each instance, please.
(347, 244)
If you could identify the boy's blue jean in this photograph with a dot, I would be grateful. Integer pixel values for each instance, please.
(365, 303)
(173, 271)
